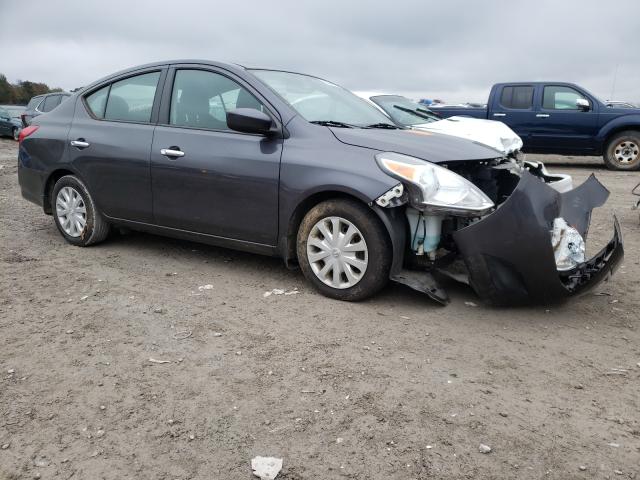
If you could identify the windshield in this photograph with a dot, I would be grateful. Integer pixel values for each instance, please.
(404, 111)
(319, 101)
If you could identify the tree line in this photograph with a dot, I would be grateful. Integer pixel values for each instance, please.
(21, 92)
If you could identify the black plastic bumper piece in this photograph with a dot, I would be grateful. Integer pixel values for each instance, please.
(509, 254)
(422, 282)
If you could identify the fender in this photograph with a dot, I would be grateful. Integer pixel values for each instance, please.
(626, 122)
(291, 214)
(396, 225)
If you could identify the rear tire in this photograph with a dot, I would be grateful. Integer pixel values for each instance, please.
(344, 250)
(15, 133)
(75, 213)
(623, 151)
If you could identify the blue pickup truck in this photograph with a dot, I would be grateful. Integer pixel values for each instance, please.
(564, 119)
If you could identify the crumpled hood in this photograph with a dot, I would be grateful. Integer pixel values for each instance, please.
(430, 146)
(488, 132)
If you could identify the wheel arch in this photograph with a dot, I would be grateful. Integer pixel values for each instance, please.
(390, 218)
(53, 177)
(609, 130)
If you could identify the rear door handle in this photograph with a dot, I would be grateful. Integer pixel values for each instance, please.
(499, 114)
(542, 115)
(171, 152)
(80, 143)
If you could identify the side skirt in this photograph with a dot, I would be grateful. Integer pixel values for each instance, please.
(259, 248)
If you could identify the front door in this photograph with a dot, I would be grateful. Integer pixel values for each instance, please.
(560, 125)
(207, 178)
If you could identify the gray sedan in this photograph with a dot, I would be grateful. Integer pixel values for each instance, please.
(286, 164)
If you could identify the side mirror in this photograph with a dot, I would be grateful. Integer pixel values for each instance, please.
(250, 120)
(583, 104)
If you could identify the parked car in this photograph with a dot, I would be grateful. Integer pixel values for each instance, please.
(42, 104)
(287, 164)
(407, 113)
(565, 119)
(10, 124)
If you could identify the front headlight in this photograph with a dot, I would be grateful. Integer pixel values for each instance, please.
(440, 189)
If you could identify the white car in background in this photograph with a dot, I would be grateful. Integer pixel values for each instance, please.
(407, 113)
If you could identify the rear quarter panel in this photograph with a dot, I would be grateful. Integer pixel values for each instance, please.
(44, 151)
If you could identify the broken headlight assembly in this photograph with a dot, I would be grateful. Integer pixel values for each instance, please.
(433, 188)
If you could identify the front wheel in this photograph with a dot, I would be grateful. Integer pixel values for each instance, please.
(75, 213)
(343, 250)
(623, 151)
(16, 133)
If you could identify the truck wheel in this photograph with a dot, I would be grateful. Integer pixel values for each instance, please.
(343, 250)
(623, 151)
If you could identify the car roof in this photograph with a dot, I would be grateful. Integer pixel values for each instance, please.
(539, 82)
(228, 66)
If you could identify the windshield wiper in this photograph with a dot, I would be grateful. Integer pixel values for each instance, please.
(417, 112)
(382, 125)
(332, 123)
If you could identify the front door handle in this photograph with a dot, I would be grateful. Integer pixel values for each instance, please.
(499, 114)
(80, 143)
(542, 115)
(171, 152)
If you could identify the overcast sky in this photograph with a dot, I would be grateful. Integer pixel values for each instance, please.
(451, 49)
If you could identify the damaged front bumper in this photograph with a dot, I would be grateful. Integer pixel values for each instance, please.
(509, 256)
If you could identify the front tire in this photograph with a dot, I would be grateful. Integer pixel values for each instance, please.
(75, 213)
(623, 151)
(344, 250)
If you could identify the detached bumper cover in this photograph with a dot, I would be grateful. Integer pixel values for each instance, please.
(509, 255)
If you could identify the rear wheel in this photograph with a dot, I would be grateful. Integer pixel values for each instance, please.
(623, 151)
(16, 133)
(75, 213)
(343, 250)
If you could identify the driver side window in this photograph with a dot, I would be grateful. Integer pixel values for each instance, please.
(201, 99)
(560, 98)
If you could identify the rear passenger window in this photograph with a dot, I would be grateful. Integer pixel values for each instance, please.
(97, 101)
(51, 102)
(517, 97)
(131, 99)
(202, 99)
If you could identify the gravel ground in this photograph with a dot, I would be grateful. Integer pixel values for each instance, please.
(392, 388)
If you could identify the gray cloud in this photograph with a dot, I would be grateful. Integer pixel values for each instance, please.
(451, 49)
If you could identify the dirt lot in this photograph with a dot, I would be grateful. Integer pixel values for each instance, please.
(392, 388)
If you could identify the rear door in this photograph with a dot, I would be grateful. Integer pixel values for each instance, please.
(560, 125)
(110, 142)
(221, 182)
(514, 106)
